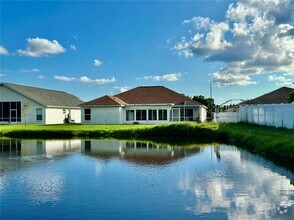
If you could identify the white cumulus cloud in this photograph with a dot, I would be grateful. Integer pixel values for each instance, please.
(167, 77)
(97, 62)
(38, 47)
(122, 89)
(232, 79)
(3, 51)
(73, 47)
(41, 77)
(29, 70)
(64, 78)
(281, 80)
(256, 37)
(85, 79)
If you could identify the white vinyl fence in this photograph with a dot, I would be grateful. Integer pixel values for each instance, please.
(277, 115)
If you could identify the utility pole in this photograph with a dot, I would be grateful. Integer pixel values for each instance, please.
(210, 91)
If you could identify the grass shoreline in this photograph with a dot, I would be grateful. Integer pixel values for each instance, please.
(276, 144)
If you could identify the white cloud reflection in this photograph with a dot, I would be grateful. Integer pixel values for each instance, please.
(241, 188)
(45, 187)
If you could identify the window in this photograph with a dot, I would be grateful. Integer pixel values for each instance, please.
(141, 115)
(87, 113)
(152, 115)
(88, 145)
(187, 114)
(10, 111)
(39, 115)
(130, 115)
(162, 114)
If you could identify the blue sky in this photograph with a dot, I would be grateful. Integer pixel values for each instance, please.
(93, 48)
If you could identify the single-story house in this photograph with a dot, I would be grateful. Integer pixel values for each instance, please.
(277, 96)
(144, 105)
(23, 104)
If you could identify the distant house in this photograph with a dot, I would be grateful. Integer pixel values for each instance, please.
(275, 97)
(146, 105)
(44, 106)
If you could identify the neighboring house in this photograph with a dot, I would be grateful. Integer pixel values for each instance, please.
(275, 97)
(44, 106)
(146, 105)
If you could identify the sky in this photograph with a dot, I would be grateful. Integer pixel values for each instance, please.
(241, 49)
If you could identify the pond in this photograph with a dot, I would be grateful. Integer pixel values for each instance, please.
(113, 179)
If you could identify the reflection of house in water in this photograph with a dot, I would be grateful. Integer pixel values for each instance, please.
(16, 147)
(138, 152)
(33, 150)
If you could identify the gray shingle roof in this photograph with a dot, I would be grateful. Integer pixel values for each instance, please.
(46, 97)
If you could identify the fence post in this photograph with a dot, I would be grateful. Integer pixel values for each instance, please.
(273, 111)
(282, 115)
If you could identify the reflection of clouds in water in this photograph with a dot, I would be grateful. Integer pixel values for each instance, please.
(2, 183)
(45, 187)
(98, 168)
(242, 188)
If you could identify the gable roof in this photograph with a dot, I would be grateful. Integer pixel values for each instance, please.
(277, 96)
(144, 95)
(106, 100)
(45, 97)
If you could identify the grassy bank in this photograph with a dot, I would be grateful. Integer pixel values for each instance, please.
(277, 144)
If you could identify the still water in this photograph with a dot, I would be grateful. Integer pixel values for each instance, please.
(111, 179)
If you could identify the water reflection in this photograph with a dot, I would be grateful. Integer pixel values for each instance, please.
(41, 186)
(241, 188)
(22, 147)
(138, 152)
(109, 177)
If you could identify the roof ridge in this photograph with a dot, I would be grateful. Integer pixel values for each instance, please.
(45, 97)
(34, 87)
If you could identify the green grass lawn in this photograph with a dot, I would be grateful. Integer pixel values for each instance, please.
(69, 127)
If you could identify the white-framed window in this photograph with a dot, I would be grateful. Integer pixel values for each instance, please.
(130, 115)
(39, 114)
(162, 114)
(87, 114)
(141, 115)
(152, 114)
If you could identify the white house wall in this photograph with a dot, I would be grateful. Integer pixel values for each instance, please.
(8, 95)
(202, 114)
(117, 115)
(75, 114)
(104, 115)
(57, 115)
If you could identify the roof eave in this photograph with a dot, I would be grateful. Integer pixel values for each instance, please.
(55, 106)
(98, 106)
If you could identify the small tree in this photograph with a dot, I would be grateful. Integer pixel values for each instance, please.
(25, 111)
(290, 97)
